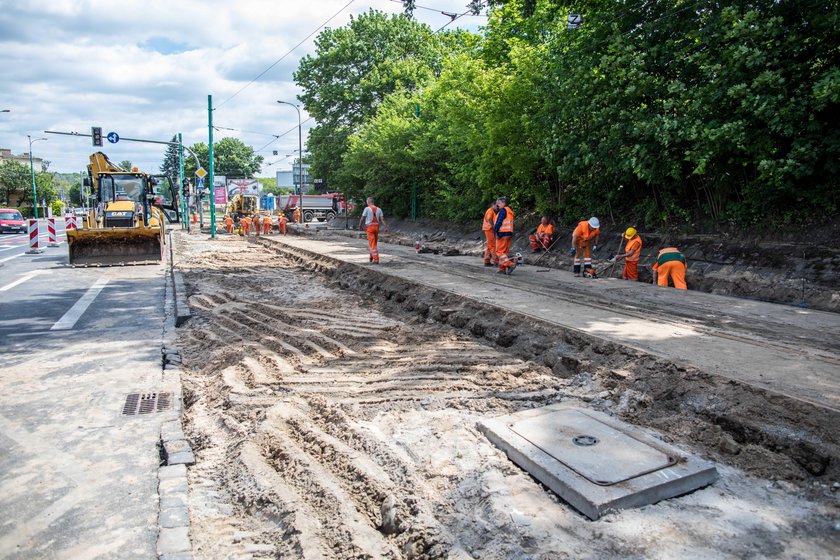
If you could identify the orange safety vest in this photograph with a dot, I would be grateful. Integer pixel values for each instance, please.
(507, 223)
(282, 219)
(489, 219)
(634, 245)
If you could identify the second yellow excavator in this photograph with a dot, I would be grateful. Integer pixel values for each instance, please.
(126, 226)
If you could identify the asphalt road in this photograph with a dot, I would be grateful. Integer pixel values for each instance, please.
(77, 477)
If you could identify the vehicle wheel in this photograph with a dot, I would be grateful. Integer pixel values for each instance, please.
(330, 216)
(308, 215)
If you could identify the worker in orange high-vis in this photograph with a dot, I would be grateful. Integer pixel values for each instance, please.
(632, 251)
(297, 215)
(372, 218)
(267, 224)
(503, 228)
(670, 264)
(543, 237)
(490, 257)
(228, 223)
(257, 222)
(281, 222)
(584, 241)
(245, 223)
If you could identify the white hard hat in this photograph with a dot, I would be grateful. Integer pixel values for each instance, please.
(594, 223)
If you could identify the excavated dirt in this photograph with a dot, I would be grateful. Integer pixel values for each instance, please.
(331, 425)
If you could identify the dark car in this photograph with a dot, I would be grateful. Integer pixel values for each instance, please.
(11, 221)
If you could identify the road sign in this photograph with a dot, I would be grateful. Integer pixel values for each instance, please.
(201, 173)
(574, 21)
(200, 183)
(113, 137)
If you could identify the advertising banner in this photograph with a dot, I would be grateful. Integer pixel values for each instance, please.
(220, 189)
(243, 186)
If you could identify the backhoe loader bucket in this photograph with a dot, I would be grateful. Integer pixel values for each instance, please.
(105, 247)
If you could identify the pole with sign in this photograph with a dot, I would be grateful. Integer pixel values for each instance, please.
(210, 154)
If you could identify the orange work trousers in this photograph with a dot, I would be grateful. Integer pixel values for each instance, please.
(267, 225)
(229, 227)
(631, 270)
(583, 253)
(282, 228)
(541, 242)
(373, 242)
(502, 248)
(490, 247)
(675, 270)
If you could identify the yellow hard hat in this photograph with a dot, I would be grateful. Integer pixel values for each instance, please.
(630, 233)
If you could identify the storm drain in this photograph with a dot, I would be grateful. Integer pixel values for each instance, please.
(146, 403)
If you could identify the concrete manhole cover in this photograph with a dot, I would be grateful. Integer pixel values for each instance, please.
(603, 456)
(595, 462)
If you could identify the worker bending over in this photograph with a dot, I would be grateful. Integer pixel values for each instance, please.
(257, 224)
(490, 257)
(544, 236)
(372, 217)
(584, 241)
(503, 228)
(281, 222)
(266, 224)
(246, 226)
(670, 264)
(228, 223)
(632, 251)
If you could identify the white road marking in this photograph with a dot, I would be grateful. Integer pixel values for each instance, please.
(68, 321)
(24, 278)
(12, 257)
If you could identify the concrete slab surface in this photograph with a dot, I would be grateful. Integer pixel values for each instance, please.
(595, 462)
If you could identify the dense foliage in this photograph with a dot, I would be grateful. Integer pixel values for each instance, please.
(652, 111)
(232, 158)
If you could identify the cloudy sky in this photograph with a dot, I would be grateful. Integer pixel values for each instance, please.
(144, 69)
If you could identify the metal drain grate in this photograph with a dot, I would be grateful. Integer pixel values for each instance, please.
(146, 403)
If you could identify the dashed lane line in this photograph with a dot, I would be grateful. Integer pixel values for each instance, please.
(68, 320)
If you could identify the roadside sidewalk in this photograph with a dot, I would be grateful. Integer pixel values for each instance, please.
(78, 474)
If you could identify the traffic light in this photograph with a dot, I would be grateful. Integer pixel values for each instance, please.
(96, 134)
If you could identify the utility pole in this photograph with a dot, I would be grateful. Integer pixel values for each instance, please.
(184, 219)
(32, 174)
(212, 186)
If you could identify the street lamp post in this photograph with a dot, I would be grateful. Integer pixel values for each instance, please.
(300, 156)
(32, 174)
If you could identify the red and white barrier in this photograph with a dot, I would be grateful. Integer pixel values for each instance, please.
(53, 238)
(70, 222)
(34, 247)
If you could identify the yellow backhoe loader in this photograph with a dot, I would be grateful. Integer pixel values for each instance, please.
(126, 226)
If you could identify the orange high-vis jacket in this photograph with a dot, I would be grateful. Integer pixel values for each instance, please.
(585, 232)
(546, 229)
(489, 219)
(633, 248)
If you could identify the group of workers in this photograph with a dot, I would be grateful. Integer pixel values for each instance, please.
(259, 223)
(670, 263)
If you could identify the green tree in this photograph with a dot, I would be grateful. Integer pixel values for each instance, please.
(231, 158)
(14, 181)
(355, 68)
(74, 195)
(171, 162)
(126, 165)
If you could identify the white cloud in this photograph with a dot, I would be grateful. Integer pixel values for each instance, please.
(144, 69)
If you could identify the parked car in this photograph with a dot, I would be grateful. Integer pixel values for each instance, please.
(11, 221)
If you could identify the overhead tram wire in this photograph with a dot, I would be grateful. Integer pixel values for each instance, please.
(290, 51)
(279, 136)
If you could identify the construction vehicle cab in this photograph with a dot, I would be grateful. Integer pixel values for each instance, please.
(125, 226)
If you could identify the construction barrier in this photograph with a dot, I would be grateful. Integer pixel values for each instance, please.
(34, 247)
(70, 222)
(53, 238)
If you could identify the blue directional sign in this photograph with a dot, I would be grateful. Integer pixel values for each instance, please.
(113, 137)
(200, 183)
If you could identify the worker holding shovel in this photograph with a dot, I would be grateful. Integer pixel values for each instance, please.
(632, 251)
(584, 241)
